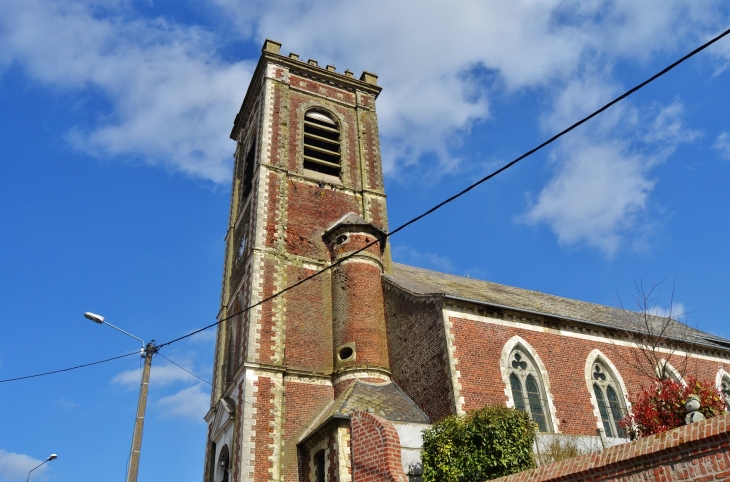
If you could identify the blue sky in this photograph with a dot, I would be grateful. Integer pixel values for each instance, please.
(114, 180)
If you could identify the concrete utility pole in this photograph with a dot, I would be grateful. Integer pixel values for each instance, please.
(149, 351)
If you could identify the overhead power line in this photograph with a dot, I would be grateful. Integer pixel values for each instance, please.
(408, 223)
(465, 190)
(69, 369)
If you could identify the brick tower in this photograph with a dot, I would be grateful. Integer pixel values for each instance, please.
(307, 190)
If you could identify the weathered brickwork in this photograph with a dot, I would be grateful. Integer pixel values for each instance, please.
(407, 337)
(358, 314)
(314, 209)
(376, 455)
(266, 413)
(283, 350)
(309, 322)
(304, 401)
(696, 452)
(417, 351)
(480, 346)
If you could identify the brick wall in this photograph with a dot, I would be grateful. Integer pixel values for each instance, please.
(376, 451)
(417, 351)
(697, 452)
(479, 346)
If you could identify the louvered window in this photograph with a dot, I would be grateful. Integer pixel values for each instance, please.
(321, 143)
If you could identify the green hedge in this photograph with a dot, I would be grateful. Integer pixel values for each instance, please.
(485, 444)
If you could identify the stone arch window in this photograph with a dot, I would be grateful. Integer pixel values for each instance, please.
(221, 472)
(321, 143)
(609, 398)
(665, 370)
(319, 466)
(528, 391)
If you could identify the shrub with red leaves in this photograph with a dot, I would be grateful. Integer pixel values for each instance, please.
(660, 407)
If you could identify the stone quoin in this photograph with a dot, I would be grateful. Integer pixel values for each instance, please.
(335, 379)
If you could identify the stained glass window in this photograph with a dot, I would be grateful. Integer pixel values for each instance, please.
(527, 389)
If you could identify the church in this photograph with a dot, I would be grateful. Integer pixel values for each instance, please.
(335, 379)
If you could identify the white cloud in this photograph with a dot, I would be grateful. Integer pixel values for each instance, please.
(677, 311)
(442, 62)
(66, 403)
(172, 100)
(722, 144)
(601, 186)
(409, 255)
(160, 375)
(190, 403)
(15, 467)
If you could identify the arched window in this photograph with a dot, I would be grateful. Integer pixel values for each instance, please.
(321, 143)
(610, 401)
(319, 466)
(665, 371)
(528, 392)
(221, 472)
(725, 389)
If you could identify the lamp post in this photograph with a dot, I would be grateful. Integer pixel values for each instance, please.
(51, 457)
(147, 352)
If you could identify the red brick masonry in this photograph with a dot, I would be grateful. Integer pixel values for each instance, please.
(375, 449)
(697, 452)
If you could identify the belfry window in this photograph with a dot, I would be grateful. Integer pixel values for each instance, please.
(609, 399)
(725, 389)
(528, 392)
(321, 143)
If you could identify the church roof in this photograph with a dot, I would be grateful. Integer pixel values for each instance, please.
(385, 400)
(421, 281)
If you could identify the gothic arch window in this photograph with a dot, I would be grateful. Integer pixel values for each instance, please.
(609, 398)
(665, 370)
(527, 388)
(321, 143)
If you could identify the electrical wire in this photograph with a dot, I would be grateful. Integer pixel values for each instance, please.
(465, 190)
(273, 413)
(68, 369)
(413, 220)
(188, 371)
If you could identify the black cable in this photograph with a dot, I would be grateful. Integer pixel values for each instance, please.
(467, 189)
(191, 373)
(68, 369)
(275, 414)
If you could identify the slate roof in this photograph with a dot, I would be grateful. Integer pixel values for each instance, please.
(385, 400)
(421, 281)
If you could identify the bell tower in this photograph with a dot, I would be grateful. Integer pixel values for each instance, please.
(307, 190)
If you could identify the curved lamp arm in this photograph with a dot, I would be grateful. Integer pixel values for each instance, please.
(52, 457)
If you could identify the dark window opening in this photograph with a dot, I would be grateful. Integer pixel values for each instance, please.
(321, 143)
(319, 475)
(247, 181)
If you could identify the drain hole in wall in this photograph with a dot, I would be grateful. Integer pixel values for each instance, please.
(341, 239)
(345, 353)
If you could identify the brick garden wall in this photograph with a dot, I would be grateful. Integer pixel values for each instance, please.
(376, 451)
(697, 452)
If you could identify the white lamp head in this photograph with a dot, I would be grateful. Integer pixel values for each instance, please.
(53, 457)
(94, 317)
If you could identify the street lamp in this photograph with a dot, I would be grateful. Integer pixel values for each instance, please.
(147, 352)
(51, 457)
